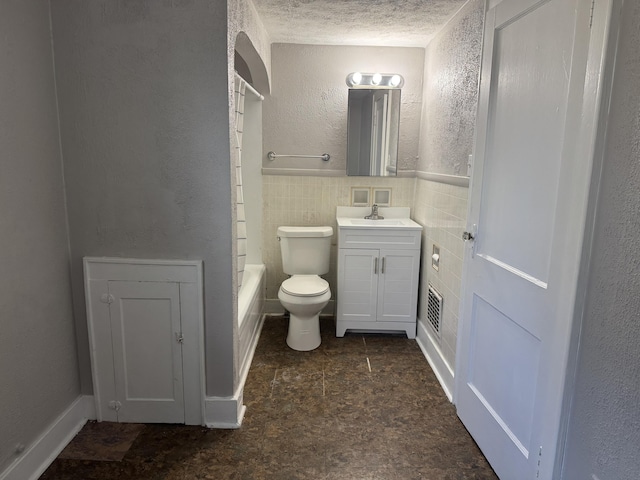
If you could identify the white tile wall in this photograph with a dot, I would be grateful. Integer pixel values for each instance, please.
(439, 207)
(442, 210)
(307, 200)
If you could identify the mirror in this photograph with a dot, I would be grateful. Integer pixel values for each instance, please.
(372, 131)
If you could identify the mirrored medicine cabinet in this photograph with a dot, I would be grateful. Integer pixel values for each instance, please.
(373, 127)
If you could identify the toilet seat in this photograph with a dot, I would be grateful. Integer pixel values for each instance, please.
(305, 286)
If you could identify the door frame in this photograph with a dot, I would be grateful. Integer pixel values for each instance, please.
(98, 271)
(598, 87)
(590, 138)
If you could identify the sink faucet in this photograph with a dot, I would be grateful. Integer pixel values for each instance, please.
(374, 213)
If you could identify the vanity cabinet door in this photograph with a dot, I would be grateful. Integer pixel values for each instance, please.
(398, 285)
(357, 284)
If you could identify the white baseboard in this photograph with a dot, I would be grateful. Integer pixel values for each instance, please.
(272, 306)
(41, 453)
(432, 353)
(224, 412)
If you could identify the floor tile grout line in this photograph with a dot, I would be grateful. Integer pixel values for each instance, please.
(273, 382)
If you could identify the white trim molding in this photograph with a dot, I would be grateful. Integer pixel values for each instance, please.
(41, 453)
(432, 353)
(225, 412)
(457, 180)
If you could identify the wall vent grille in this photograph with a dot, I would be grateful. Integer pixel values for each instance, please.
(434, 310)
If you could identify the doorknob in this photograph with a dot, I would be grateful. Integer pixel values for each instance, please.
(471, 234)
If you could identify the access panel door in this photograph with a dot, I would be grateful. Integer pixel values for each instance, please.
(147, 351)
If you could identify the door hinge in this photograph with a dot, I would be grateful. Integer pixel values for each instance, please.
(593, 7)
(115, 405)
(179, 337)
(539, 460)
(107, 298)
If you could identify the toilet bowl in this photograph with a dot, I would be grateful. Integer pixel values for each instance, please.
(304, 297)
(305, 256)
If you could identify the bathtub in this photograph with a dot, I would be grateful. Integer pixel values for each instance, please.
(250, 314)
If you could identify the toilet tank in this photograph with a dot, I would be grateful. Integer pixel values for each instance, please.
(305, 250)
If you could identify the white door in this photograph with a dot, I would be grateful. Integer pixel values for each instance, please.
(528, 200)
(147, 351)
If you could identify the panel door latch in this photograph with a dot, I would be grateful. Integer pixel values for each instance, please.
(467, 236)
(107, 298)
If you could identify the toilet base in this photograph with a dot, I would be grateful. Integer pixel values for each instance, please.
(304, 332)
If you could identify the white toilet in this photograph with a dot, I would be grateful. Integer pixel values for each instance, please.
(305, 256)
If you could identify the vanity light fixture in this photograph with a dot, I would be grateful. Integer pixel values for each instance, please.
(374, 80)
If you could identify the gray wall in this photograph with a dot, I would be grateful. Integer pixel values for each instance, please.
(604, 429)
(38, 364)
(144, 117)
(452, 66)
(306, 112)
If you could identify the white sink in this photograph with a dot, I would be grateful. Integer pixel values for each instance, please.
(395, 218)
(387, 223)
(378, 221)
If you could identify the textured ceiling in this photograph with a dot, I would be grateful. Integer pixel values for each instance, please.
(401, 23)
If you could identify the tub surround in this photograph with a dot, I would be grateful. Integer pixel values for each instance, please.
(250, 315)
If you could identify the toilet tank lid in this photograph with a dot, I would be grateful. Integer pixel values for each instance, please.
(305, 231)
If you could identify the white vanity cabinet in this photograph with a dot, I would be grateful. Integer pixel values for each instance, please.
(378, 268)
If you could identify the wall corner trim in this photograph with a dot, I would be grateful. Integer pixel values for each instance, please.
(224, 412)
(431, 351)
(457, 180)
(44, 450)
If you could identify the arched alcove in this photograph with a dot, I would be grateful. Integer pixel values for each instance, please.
(252, 61)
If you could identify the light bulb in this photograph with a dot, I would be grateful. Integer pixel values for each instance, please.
(377, 78)
(395, 81)
(356, 78)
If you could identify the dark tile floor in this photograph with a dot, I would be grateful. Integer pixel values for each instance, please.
(362, 407)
